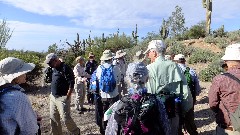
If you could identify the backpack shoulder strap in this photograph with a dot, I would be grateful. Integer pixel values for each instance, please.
(8, 89)
(231, 76)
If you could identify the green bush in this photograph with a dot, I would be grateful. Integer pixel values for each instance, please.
(179, 48)
(210, 39)
(29, 57)
(222, 42)
(201, 56)
(219, 32)
(196, 31)
(207, 74)
(234, 35)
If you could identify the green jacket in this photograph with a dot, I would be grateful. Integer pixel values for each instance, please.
(165, 75)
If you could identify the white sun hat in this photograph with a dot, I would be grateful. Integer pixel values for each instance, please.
(119, 54)
(11, 68)
(155, 44)
(232, 52)
(178, 57)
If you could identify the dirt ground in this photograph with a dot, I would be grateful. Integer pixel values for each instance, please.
(204, 117)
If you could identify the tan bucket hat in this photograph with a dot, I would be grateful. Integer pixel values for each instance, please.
(11, 68)
(107, 55)
(91, 55)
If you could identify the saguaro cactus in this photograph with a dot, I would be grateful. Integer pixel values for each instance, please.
(134, 35)
(208, 5)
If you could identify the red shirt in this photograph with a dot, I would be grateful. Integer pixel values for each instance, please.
(226, 90)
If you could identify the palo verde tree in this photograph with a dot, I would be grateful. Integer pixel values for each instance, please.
(176, 22)
(5, 33)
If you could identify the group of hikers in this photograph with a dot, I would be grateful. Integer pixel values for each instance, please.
(129, 99)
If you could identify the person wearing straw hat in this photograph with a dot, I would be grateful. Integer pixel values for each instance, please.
(62, 86)
(119, 60)
(224, 93)
(167, 80)
(16, 113)
(108, 98)
(91, 66)
(80, 81)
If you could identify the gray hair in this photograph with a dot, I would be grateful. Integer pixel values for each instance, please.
(160, 51)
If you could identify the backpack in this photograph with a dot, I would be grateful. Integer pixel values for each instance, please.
(138, 115)
(107, 81)
(234, 117)
(49, 71)
(190, 81)
(94, 86)
(48, 75)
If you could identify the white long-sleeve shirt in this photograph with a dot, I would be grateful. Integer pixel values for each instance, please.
(79, 73)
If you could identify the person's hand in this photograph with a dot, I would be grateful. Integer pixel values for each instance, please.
(69, 94)
(84, 79)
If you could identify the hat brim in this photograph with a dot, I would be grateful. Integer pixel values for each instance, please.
(91, 56)
(120, 55)
(27, 67)
(105, 58)
(230, 57)
(146, 51)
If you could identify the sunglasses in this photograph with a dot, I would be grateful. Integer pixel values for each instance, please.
(50, 63)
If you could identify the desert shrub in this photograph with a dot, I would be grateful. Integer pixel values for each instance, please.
(211, 71)
(222, 42)
(178, 48)
(201, 56)
(234, 35)
(210, 39)
(219, 32)
(29, 57)
(196, 31)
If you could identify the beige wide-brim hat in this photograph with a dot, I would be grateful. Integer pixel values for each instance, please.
(107, 55)
(120, 53)
(11, 68)
(232, 52)
(91, 55)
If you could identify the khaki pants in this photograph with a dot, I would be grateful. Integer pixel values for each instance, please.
(221, 131)
(80, 91)
(60, 108)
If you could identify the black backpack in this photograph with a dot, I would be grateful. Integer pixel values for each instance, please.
(139, 117)
(48, 75)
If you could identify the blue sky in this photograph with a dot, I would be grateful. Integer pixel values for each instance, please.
(37, 24)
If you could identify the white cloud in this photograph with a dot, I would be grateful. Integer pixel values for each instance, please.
(38, 37)
(126, 13)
